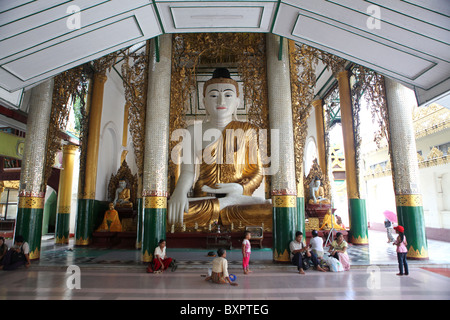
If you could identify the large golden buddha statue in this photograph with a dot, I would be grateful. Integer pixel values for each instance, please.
(229, 167)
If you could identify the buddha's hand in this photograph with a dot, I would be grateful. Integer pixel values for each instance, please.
(178, 204)
(225, 188)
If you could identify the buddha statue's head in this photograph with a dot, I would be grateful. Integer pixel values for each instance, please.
(221, 94)
(122, 184)
(317, 182)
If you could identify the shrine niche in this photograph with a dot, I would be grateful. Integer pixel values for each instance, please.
(123, 174)
(308, 182)
(122, 192)
(317, 197)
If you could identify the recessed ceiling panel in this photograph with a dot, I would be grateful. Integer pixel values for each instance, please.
(46, 28)
(217, 17)
(325, 34)
(74, 49)
(41, 48)
(397, 19)
(410, 41)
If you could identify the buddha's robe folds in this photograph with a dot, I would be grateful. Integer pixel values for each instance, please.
(330, 222)
(319, 193)
(234, 158)
(111, 222)
(123, 199)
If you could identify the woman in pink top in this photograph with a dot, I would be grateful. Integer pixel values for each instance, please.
(401, 250)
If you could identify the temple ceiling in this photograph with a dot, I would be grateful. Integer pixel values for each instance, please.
(405, 40)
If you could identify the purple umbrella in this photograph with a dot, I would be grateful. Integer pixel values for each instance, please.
(391, 216)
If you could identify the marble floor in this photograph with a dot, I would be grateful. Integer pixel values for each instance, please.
(119, 275)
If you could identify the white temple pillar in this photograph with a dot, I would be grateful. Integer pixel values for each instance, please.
(284, 191)
(156, 145)
(405, 168)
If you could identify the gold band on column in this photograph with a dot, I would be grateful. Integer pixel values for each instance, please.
(284, 201)
(31, 202)
(155, 202)
(408, 200)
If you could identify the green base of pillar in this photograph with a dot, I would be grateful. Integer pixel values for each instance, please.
(359, 231)
(85, 222)
(153, 230)
(140, 214)
(62, 228)
(301, 226)
(411, 218)
(29, 225)
(284, 228)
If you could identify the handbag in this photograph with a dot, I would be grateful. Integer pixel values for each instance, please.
(334, 264)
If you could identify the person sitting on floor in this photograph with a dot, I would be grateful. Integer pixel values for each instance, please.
(299, 251)
(160, 261)
(338, 250)
(17, 256)
(219, 272)
(3, 249)
(316, 244)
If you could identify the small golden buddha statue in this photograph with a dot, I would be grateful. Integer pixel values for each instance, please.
(111, 221)
(122, 198)
(329, 222)
(318, 193)
(229, 165)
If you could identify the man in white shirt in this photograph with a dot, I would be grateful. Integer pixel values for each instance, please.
(316, 244)
(160, 261)
(299, 251)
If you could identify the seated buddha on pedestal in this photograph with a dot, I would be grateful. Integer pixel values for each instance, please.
(229, 167)
(318, 193)
(122, 197)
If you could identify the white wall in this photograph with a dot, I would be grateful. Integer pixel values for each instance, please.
(74, 201)
(380, 197)
(311, 137)
(435, 188)
(110, 146)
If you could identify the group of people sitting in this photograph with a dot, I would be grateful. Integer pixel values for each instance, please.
(302, 254)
